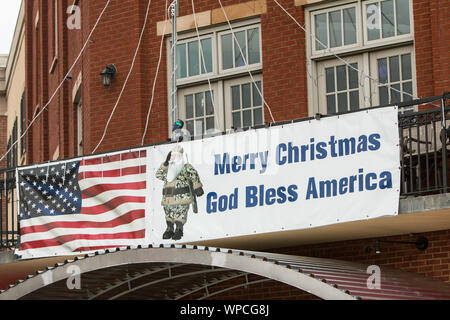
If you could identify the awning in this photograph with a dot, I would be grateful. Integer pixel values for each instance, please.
(195, 272)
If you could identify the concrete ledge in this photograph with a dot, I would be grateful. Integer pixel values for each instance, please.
(424, 203)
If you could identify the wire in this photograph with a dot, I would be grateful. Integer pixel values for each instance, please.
(154, 81)
(126, 79)
(62, 82)
(339, 58)
(245, 62)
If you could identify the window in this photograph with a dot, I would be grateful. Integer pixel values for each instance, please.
(243, 48)
(80, 128)
(385, 19)
(23, 124)
(394, 71)
(226, 61)
(189, 58)
(197, 108)
(335, 27)
(358, 63)
(246, 102)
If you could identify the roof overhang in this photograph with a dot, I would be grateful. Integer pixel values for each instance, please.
(184, 271)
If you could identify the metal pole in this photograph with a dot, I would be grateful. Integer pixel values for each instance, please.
(174, 12)
(444, 145)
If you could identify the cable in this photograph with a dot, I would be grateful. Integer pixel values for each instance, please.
(60, 85)
(245, 62)
(338, 57)
(126, 79)
(154, 81)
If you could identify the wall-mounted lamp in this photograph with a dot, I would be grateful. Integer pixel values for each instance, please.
(421, 243)
(108, 74)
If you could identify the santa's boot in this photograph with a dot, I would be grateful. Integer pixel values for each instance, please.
(178, 234)
(169, 231)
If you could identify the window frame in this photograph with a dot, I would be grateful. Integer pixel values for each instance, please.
(244, 67)
(365, 50)
(217, 79)
(218, 107)
(327, 10)
(395, 38)
(228, 98)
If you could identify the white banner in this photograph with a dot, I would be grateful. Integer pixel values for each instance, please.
(290, 177)
(296, 176)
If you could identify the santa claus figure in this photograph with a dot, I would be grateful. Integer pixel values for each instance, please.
(181, 187)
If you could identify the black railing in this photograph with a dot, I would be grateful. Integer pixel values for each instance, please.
(424, 159)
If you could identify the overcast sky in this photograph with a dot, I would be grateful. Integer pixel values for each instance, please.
(9, 11)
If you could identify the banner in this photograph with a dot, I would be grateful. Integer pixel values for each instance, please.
(295, 176)
(287, 177)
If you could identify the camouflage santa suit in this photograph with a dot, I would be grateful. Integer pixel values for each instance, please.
(176, 206)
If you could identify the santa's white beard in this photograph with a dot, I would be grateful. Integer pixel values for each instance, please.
(174, 169)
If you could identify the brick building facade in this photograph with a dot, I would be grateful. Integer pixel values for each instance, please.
(291, 70)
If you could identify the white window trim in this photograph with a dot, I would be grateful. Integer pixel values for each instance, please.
(245, 67)
(215, 77)
(387, 53)
(364, 49)
(389, 40)
(342, 48)
(228, 99)
(218, 107)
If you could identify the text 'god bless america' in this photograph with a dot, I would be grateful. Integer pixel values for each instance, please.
(289, 154)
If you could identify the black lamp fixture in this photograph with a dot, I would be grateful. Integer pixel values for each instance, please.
(108, 74)
(421, 243)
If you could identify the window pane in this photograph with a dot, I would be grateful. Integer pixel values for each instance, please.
(342, 102)
(227, 51)
(181, 61)
(239, 59)
(406, 66)
(387, 18)
(394, 70)
(246, 96)
(209, 103)
(373, 21)
(199, 106)
(207, 55)
(335, 29)
(331, 104)
(407, 91)
(349, 26)
(209, 123)
(257, 116)
(193, 58)
(235, 97)
(354, 100)
(321, 31)
(189, 106)
(257, 100)
(341, 75)
(395, 94)
(382, 70)
(402, 11)
(383, 95)
(247, 117)
(253, 46)
(353, 76)
(190, 127)
(237, 119)
(329, 75)
(199, 127)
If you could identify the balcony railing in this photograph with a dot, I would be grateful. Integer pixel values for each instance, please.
(424, 159)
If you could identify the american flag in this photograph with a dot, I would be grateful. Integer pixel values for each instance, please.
(83, 205)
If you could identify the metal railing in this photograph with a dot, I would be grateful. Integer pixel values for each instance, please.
(424, 159)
